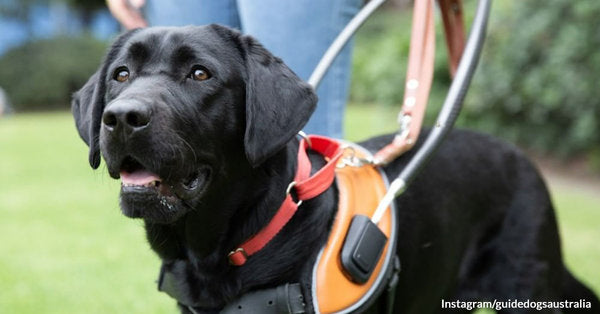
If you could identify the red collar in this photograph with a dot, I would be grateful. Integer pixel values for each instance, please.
(306, 186)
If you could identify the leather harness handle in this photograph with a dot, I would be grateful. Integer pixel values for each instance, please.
(452, 16)
(419, 75)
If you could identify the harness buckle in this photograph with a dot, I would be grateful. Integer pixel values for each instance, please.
(352, 160)
(306, 138)
(237, 257)
(404, 120)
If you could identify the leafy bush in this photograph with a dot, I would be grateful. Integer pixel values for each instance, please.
(44, 73)
(536, 84)
(379, 64)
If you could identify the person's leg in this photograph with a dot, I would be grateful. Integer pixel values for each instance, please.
(300, 31)
(192, 12)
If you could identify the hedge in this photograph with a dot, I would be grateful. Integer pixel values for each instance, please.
(42, 74)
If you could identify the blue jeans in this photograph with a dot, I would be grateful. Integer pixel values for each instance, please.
(297, 31)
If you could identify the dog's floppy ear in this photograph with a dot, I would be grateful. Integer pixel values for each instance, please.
(278, 103)
(82, 106)
(87, 105)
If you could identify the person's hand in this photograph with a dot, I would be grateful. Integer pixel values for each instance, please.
(127, 12)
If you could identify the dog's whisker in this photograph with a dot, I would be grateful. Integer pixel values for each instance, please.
(190, 147)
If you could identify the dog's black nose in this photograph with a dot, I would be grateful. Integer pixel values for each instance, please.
(127, 114)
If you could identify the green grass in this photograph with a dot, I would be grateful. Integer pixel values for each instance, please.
(579, 223)
(364, 121)
(66, 248)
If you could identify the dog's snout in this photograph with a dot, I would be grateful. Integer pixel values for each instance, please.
(127, 114)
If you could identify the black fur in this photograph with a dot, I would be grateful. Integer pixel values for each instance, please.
(477, 224)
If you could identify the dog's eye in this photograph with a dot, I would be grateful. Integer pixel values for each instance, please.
(199, 73)
(121, 74)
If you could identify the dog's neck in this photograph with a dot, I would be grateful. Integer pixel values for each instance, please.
(243, 205)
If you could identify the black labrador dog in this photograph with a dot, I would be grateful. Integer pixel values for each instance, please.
(200, 124)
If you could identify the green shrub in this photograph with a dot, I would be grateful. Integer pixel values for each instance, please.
(537, 81)
(379, 63)
(43, 74)
(536, 84)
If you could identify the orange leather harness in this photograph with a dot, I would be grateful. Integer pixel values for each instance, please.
(360, 190)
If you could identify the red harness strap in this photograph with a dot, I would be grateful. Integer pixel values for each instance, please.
(306, 186)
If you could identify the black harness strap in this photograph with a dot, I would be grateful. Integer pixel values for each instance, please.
(390, 296)
(284, 299)
(176, 289)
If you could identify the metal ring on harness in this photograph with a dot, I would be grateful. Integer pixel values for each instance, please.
(305, 137)
(288, 190)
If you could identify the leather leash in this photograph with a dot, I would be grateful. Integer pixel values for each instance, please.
(454, 30)
(419, 74)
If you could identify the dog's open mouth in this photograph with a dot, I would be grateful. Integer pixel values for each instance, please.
(162, 199)
(137, 178)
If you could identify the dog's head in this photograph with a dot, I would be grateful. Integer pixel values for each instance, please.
(174, 111)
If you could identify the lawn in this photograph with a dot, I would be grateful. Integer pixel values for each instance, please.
(66, 248)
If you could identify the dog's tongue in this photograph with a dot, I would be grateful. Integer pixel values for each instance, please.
(139, 177)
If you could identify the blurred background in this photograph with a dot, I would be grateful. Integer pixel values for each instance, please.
(65, 247)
